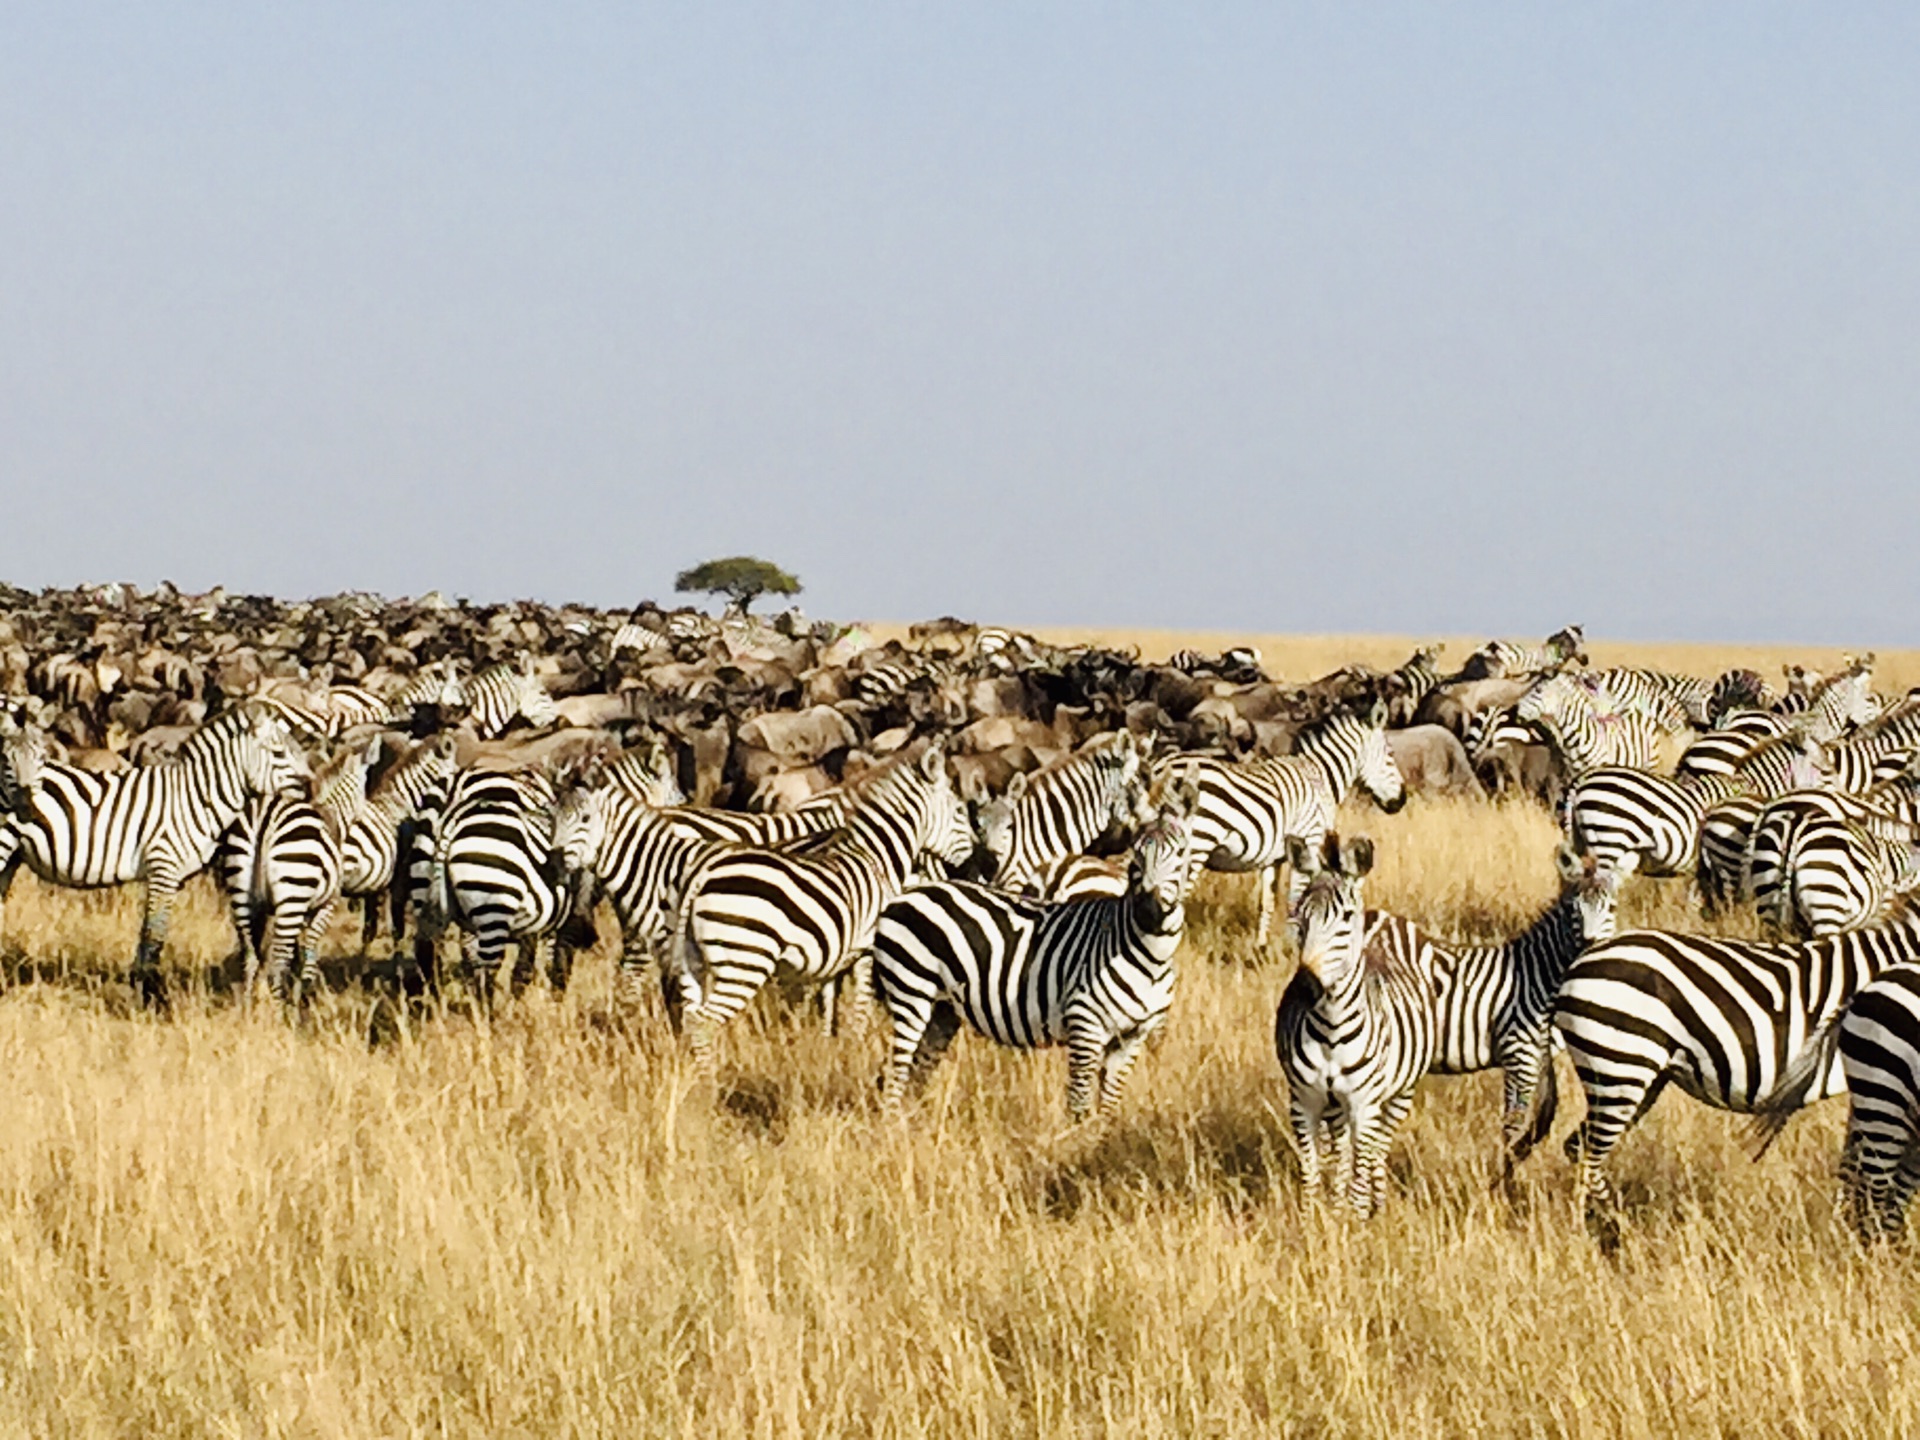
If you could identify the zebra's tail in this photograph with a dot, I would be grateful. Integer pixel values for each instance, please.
(1793, 1088)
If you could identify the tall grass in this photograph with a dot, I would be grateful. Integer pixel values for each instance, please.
(221, 1223)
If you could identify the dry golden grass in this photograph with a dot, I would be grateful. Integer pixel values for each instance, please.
(218, 1223)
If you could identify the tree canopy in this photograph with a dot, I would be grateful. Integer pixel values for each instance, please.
(741, 578)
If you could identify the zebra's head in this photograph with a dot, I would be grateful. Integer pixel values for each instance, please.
(1161, 868)
(1330, 912)
(946, 831)
(1593, 893)
(1117, 754)
(580, 822)
(647, 774)
(24, 752)
(263, 748)
(1352, 750)
(993, 820)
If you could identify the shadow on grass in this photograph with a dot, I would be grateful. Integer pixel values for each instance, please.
(1234, 1155)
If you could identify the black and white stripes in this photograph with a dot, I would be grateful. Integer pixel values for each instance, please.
(1095, 975)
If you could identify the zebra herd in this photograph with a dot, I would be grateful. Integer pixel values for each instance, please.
(1051, 913)
(1806, 808)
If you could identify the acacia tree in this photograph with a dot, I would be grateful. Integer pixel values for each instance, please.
(741, 578)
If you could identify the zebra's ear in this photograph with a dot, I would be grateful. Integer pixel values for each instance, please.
(970, 787)
(1300, 855)
(1376, 716)
(1357, 856)
(1016, 787)
(933, 761)
(1184, 795)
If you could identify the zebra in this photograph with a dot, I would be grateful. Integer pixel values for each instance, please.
(1498, 658)
(1588, 737)
(1885, 816)
(1096, 975)
(371, 824)
(1352, 1039)
(436, 685)
(1723, 1019)
(1247, 812)
(1839, 876)
(1878, 1040)
(1492, 1005)
(495, 872)
(640, 855)
(1722, 751)
(279, 864)
(25, 750)
(502, 694)
(1673, 702)
(1063, 810)
(157, 823)
(1080, 877)
(747, 912)
(1737, 690)
(1633, 821)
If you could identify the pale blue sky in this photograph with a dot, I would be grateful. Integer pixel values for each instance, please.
(1427, 318)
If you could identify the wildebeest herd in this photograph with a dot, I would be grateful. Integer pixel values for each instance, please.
(973, 828)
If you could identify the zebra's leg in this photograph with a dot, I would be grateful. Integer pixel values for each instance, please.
(1268, 880)
(1373, 1130)
(532, 954)
(1614, 1106)
(734, 979)
(853, 999)
(10, 857)
(1307, 1112)
(1086, 1050)
(282, 949)
(1118, 1063)
(1898, 1195)
(1531, 1097)
(911, 1014)
(311, 934)
(149, 984)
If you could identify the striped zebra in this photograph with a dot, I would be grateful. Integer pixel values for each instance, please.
(1737, 690)
(1878, 1040)
(640, 854)
(1839, 875)
(1081, 877)
(1492, 1005)
(1724, 750)
(279, 865)
(1672, 702)
(1096, 976)
(502, 694)
(370, 824)
(1888, 813)
(1248, 812)
(1063, 810)
(1352, 1040)
(25, 750)
(749, 912)
(157, 823)
(436, 685)
(1586, 736)
(1632, 821)
(495, 872)
(1501, 658)
(1722, 1019)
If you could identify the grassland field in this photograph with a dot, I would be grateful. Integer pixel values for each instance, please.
(220, 1223)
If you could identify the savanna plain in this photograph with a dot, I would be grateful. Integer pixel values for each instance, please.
(376, 1223)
